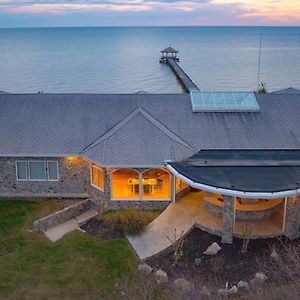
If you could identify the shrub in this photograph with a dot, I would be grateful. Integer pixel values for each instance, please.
(130, 221)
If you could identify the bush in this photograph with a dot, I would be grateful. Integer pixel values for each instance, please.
(130, 221)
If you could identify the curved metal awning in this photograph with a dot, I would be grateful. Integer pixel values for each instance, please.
(242, 173)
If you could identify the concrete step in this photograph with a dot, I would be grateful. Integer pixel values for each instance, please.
(86, 216)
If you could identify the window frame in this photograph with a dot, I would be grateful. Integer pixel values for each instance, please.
(97, 179)
(27, 169)
(140, 197)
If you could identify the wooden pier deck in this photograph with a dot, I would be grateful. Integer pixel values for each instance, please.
(186, 81)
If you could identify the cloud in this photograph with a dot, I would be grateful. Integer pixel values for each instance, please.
(184, 12)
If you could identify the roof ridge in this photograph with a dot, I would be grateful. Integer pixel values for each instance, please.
(111, 130)
(127, 119)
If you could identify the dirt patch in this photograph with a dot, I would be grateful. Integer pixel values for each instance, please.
(98, 228)
(229, 265)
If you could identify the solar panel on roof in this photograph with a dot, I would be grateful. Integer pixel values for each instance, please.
(223, 101)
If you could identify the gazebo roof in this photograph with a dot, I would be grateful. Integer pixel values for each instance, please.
(169, 50)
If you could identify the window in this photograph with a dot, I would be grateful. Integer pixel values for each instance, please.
(128, 184)
(37, 170)
(97, 177)
(125, 184)
(21, 170)
(179, 184)
(156, 184)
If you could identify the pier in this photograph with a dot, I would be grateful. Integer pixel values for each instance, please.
(170, 56)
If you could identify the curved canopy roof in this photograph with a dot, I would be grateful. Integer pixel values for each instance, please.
(243, 173)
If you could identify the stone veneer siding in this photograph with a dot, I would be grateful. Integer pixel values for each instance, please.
(74, 180)
(292, 218)
(228, 219)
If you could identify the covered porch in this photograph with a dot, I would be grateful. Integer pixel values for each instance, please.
(251, 193)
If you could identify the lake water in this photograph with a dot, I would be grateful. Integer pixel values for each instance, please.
(125, 59)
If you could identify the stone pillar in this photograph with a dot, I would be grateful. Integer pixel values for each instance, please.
(292, 217)
(228, 219)
(173, 188)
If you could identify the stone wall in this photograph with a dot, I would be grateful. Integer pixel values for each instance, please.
(74, 180)
(63, 215)
(292, 218)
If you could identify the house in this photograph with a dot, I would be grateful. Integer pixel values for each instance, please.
(147, 150)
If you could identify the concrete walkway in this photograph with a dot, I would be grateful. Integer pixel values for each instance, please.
(187, 212)
(57, 232)
(181, 216)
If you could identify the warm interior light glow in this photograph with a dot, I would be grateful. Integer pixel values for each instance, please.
(156, 184)
(71, 157)
(125, 184)
(179, 184)
(97, 177)
(153, 184)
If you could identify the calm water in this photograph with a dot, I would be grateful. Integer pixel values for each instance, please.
(121, 60)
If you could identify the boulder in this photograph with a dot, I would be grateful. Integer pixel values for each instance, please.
(213, 249)
(243, 286)
(275, 255)
(261, 276)
(144, 269)
(182, 285)
(258, 281)
(227, 292)
(161, 277)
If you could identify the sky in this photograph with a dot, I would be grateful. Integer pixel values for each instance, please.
(41, 13)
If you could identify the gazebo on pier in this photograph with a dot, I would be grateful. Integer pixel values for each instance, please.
(168, 53)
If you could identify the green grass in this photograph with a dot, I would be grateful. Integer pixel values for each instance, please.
(76, 267)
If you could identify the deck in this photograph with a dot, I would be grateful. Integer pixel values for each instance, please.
(186, 81)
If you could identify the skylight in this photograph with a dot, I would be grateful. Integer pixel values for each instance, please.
(223, 101)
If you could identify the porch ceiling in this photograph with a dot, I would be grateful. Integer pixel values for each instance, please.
(244, 173)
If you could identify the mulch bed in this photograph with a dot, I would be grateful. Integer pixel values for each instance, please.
(98, 228)
(229, 265)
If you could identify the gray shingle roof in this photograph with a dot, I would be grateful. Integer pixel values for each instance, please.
(289, 90)
(66, 124)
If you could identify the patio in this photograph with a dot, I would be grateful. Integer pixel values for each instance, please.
(189, 211)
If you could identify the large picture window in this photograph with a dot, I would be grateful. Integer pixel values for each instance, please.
(97, 177)
(125, 184)
(37, 170)
(129, 184)
(156, 184)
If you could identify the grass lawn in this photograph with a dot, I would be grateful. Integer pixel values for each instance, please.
(77, 267)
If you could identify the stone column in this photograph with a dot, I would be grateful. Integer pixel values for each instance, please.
(228, 219)
(292, 217)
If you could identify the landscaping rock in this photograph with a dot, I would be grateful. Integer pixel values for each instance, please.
(261, 276)
(243, 286)
(258, 281)
(161, 277)
(144, 269)
(213, 249)
(183, 286)
(226, 292)
(274, 255)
